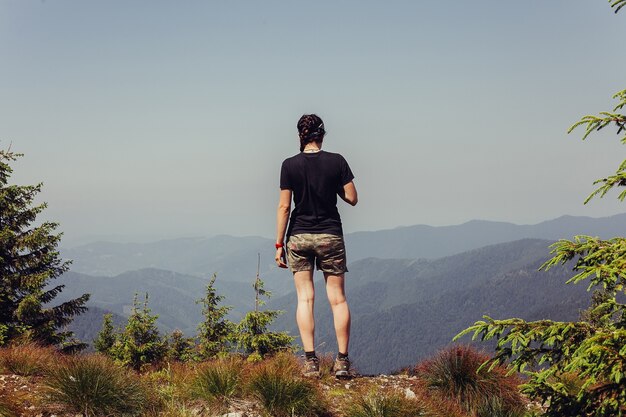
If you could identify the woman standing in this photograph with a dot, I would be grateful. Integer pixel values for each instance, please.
(314, 178)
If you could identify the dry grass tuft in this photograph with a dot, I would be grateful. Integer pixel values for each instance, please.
(218, 382)
(377, 404)
(452, 375)
(94, 385)
(277, 383)
(28, 358)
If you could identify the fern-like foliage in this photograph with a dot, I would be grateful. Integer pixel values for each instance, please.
(617, 4)
(595, 123)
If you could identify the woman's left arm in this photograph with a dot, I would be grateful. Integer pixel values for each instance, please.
(282, 217)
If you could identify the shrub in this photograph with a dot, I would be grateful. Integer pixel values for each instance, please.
(94, 386)
(277, 384)
(375, 404)
(27, 358)
(456, 374)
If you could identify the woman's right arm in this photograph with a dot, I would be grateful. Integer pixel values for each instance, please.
(348, 194)
(282, 218)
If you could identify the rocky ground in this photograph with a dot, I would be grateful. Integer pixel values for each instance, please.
(29, 393)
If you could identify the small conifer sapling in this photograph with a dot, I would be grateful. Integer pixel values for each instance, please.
(215, 332)
(107, 336)
(253, 334)
(140, 343)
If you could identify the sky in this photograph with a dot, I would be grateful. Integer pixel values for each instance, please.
(159, 119)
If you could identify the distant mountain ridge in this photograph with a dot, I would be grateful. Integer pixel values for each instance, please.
(431, 242)
(235, 258)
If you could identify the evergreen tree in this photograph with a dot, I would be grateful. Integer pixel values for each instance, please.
(617, 4)
(215, 331)
(253, 334)
(106, 337)
(28, 261)
(181, 348)
(593, 349)
(140, 343)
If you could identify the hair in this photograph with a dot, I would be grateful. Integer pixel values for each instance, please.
(310, 129)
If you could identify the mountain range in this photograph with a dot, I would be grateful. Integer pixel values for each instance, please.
(235, 258)
(411, 289)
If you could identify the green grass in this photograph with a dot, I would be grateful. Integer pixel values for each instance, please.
(168, 389)
(218, 381)
(376, 404)
(95, 386)
(277, 384)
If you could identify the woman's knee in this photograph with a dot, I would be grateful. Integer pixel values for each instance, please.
(306, 297)
(336, 296)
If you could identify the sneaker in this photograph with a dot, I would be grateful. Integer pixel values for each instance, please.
(311, 367)
(342, 368)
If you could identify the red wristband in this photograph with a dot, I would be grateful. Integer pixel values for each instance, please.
(278, 245)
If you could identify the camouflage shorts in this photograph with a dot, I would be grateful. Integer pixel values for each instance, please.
(328, 252)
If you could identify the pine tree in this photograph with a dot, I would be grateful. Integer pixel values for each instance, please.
(215, 332)
(140, 343)
(253, 334)
(593, 349)
(106, 337)
(617, 4)
(28, 261)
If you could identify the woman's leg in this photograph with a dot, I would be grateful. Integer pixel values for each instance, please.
(304, 312)
(341, 313)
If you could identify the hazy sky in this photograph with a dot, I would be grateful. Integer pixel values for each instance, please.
(162, 118)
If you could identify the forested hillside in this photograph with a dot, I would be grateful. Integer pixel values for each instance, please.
(171, 295)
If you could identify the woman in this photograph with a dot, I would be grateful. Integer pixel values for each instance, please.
(314, 178)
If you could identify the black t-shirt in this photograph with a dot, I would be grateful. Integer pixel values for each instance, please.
(315, 179)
